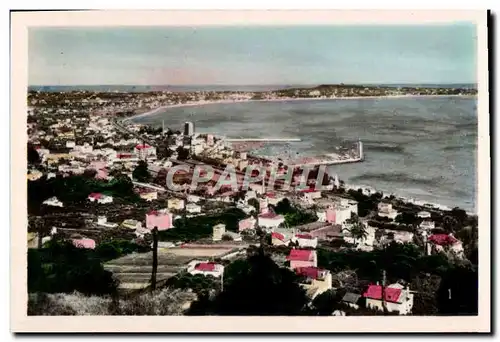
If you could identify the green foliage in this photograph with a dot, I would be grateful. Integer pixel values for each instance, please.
(407, 218)
(284, 207)
(254, 203)
(299, 217)
(257, 286)
(366, 204)
(76, 188)
(61, 267)
(198, 282)
(458, 292)
(356, 228)
(182, 153)
(33, 156)
(194, 228)
(401, 261)
(141, 172)
(110, 250)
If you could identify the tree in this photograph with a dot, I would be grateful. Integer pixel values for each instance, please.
(60, 267)
(254, 203)
(284, 207)
(458, 292)
(356, 228)
(258, 287)
(33, 156)
(182, 153)
(227, 237)
(141, 172)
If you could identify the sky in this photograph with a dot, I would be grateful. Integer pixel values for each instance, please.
(438, 54)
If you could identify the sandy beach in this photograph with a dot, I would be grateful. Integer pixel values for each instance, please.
(203, 102)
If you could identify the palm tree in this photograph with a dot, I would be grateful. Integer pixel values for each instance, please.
(356, 228)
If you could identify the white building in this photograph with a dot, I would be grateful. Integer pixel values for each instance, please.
(401, 236)
(100, 198)
(270, 220)
(175, 203)
(310, 196)
(54, 202)
(193, 198)
(205, 268)
(193, 208)
(305, 240)
(397, 298)
(218, 231)
(424, 214)
(144, 151)
(427, 225)
(386, 210)
(103, 221)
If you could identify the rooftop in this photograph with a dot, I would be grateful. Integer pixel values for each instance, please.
(301, 255)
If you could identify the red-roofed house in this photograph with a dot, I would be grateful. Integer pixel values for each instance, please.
(84, 243)
(100, 198)
(145, 151)
(302, 258)
(205, 268)
(270, 220)
(442, 241)
(316, 281)
(278, 239)
(305, 240)
(397, 298)
(163, 220)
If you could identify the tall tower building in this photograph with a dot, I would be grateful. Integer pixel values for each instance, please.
(189, 128)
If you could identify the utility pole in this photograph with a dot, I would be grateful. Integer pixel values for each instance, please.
(222, 282)
(155, 258)
(384, 307)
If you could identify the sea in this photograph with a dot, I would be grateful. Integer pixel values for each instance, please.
(193, 88)
(420, 148)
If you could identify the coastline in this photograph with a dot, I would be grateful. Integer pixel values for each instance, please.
(413, 200)
(227, 101)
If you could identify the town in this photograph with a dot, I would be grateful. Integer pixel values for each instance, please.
(108, 226)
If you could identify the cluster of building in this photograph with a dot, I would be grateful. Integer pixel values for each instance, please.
(77, 136)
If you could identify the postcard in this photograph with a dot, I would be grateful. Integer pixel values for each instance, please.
(250, 171)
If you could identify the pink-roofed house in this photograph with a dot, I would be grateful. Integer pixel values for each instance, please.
(160, 219)
(248, 223)
(397, 298)
(205, 268)
(302, 258)
(84, 243)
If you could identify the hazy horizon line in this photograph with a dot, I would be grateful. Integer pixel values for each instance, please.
(243, 84)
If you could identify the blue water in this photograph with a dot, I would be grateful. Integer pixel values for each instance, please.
(425, 148)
